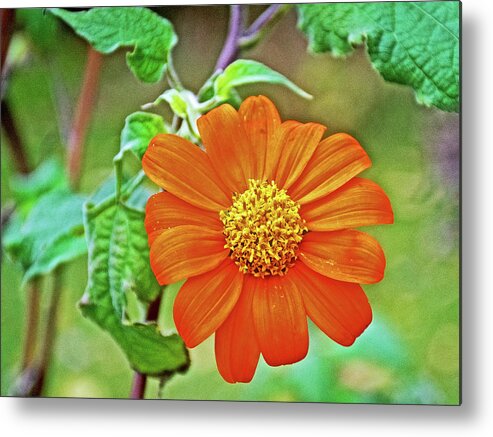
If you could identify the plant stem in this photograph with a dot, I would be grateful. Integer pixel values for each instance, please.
(8, 18)
(50, 332)
(33, 297)
(31, 381)
(230, 48)
(173, 78)
(82, 116)
(138, 386)
(8, 21)
(264, 22)
(140, 380)
(14, 141)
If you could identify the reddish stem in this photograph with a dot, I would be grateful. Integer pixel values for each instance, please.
(7, 20)
(34, 294)
(83, 114)
(140, 380)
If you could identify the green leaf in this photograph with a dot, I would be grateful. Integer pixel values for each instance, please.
(177, 101)
(411, 43)
(139, 129)
(51, 235)
(147, 350)
(27, 189)
(119, 263)
(245, 71)
(184, 105)
(110, 28)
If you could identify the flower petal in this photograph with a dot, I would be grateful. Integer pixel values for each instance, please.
(205, 301)
(280, 320)
(340, 309)
(227, 145)
(260, 120)
(186, 251)
(184, 170)
(165, 211)
(348, 255)
(291, 149)
(360, 202)
(336, 160)
(236, 346)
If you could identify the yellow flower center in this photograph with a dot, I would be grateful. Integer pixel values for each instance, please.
(263, 229)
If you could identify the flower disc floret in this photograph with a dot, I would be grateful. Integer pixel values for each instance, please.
(263, 229)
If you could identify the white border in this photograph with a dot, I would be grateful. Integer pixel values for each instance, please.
(53, 417)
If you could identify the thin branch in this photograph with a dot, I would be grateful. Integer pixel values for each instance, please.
(31, 381)
(32, 322)
(230, 48)
(138, 386)
(83, 114)
(262, 24)
(140, 380)
(8, 19)
(173, 78)
(14, 141)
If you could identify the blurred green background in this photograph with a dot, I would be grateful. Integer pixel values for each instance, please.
(409, 354)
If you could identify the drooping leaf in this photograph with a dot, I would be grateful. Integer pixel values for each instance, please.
(109, 28)
(411, 43)
(139, 129)
(119, 263)
(246, 71)
(52, 234)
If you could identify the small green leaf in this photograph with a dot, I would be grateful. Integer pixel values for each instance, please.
(207, 91)
(51, 235)
(139, 129)
(411, 43)
(243, 72)
(177, 102)
(119, 263)
(110, 28)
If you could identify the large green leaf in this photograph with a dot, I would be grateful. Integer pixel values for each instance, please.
(52, 234)
(118, 264)
(107, 29)
(411, 43)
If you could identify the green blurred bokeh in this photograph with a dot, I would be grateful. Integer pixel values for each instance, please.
(410, 353)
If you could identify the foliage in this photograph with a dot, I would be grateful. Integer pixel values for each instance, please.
(139, 129)
(119, 264)
(410, 43)
(413, 43)
(47, 229)
(245, 71)
(107, 29)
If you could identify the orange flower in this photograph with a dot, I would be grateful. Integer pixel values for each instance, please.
(260, 226)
